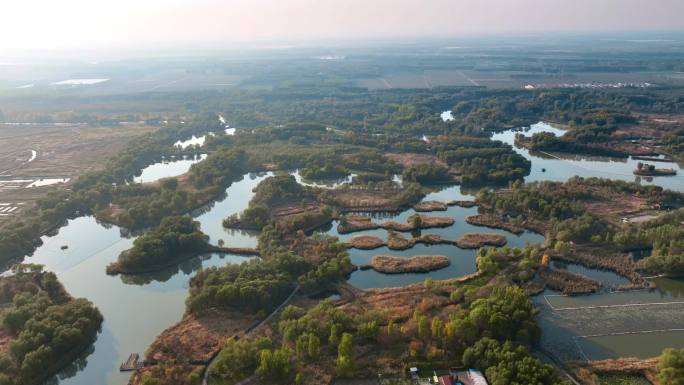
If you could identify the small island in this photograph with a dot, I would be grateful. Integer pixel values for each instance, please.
(174, 239)
(644, 169)
(494, 221)
(42, 321)
(352, 223)
(475, 241)
(427, 206)
(365, 242)
(462, 203)
(398, 265)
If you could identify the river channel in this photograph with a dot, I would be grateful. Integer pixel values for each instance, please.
(138, 308)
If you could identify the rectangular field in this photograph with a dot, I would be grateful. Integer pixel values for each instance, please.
(641, 344)
(618, 299)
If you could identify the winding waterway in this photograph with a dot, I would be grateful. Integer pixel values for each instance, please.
(462, 260)
(559, 166)
(168, 167)
(607, 324)
(137, 308)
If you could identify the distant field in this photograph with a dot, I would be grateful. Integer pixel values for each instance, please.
(511, 79)
(447, 78)
(168, 80)
(33, 157)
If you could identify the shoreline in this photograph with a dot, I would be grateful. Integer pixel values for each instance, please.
(174, 261)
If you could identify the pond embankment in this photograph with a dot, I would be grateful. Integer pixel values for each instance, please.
(569, 283)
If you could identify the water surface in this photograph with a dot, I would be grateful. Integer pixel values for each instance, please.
(168, 167)
(562, 166)
(136, 308)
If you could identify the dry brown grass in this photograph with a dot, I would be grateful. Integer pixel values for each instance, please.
(5, 340)
(418, 264)
(361, 223)
(587, 372)
(493, 221)
(475, 241)
(195, 338)
(430, 206)
(569, 283)
(408, 159)
(62, 151)
(365, 242)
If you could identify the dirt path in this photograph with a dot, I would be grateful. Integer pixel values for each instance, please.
(558, 364)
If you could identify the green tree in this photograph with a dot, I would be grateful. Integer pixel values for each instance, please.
(345, 356)
(422, 327)
(671, 368)
(507, 363)
(333, 339)
(274, 366)
(437, 328)
(314, 346)
(390, 328)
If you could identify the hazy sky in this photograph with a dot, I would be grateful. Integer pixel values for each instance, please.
(41, 24)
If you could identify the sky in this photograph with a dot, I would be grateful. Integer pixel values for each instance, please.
(28, 25)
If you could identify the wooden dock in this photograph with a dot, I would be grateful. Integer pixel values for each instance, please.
(132, 363)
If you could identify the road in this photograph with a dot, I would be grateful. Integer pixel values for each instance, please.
(250, 380)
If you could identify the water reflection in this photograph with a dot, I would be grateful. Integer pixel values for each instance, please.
(462, 261)
(135, 308)
(193, 141)
(605, 277)
(323, 183)
(168, 167)
(670, 287)
(234, 200)
(446, 116)
(186, 267)
(562, 166)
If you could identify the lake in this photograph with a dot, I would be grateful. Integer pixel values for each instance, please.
(168, 167)
(560, 166)
(136, 308)
(462, 260)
